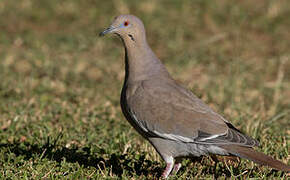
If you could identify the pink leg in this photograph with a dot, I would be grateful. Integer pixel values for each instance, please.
(176, 168)
(169, 166)
(167, 170)
(177, 165)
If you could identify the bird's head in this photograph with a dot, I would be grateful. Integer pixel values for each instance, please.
(126, 26)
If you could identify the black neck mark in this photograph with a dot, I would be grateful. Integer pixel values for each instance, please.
(132, 38)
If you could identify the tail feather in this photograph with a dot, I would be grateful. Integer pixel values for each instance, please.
(257, 157)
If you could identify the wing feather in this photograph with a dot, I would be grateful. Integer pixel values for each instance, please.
(170, 111)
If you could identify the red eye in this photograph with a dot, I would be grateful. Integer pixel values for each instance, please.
(126, 23)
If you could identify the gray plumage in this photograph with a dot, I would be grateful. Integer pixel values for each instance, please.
(170, 117)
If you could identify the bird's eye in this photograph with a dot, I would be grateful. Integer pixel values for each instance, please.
(126, 23)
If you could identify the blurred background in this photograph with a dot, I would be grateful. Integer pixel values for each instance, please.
(60, 83)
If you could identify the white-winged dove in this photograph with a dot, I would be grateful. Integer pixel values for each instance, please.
(170, 117)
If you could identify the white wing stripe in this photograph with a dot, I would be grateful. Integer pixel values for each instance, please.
(174, 137)
(210, 137)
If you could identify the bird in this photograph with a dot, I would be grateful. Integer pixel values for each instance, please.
(175, 121)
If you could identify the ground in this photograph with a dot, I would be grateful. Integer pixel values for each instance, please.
(60, 84)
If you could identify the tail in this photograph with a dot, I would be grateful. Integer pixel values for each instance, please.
(257, 157)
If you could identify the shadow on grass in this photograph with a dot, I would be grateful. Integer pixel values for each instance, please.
(114, 163)
(136, 165)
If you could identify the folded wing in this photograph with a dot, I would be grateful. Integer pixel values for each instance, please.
(167, 110)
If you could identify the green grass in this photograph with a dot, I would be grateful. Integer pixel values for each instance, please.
(60, 84)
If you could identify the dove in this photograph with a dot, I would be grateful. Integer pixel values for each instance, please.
(176, 122)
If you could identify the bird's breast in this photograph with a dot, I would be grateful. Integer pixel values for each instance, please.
(126, 94)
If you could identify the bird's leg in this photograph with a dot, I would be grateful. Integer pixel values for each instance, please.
(167, 170)
(177, 165)
(169, 166)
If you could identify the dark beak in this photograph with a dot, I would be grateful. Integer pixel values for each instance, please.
(106, 31)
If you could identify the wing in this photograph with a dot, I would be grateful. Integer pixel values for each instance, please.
(167, 110)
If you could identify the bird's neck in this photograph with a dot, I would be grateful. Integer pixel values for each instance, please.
(141, 62)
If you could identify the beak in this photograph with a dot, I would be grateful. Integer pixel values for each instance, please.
(108, 30)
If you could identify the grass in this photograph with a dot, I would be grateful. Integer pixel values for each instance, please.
(60, 84)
